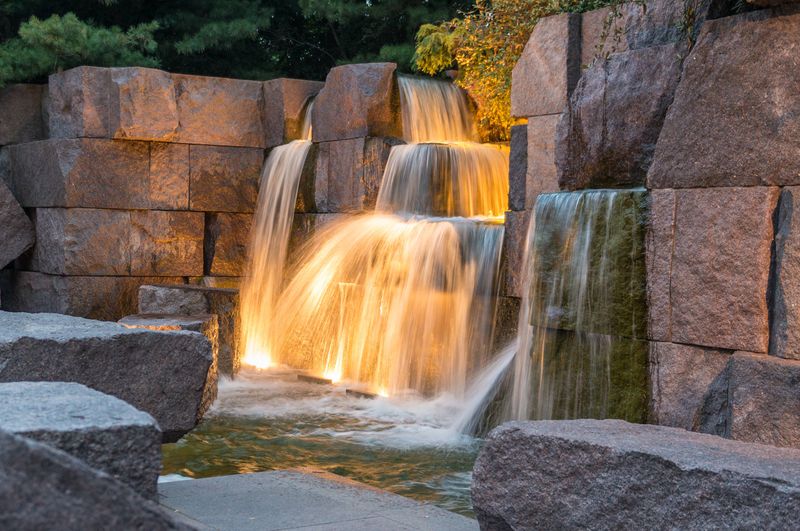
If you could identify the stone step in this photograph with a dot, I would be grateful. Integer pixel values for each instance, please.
(290, 499)
(101, 430)
(609, 474)
(161, 373)
(45, 488)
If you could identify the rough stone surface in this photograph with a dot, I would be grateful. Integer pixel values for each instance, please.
(506, 321)
(659, 242)
(734, 118)
(680, 378)
(85, 241)
(101, 430)
(720, 267)
(166, 243)
(169, 176)
(45, 488)
(285, 104)
(518, 167)
(206, 324)
(78, 102)
(542, 174)
(608, 135)
(305, 225)
(613, 475)
(224, 179)
(161, 373)
(514, 240)
(764, 400)
(85, 172)
(141, 105)
(220, 112)
(226, 239)
(357, 101)
(549, 67)
(771, 3)
(106, 298)
(16, 231)
(785, 308)
(348, 173)
(602, 33)
(194, 300)
(21, 114)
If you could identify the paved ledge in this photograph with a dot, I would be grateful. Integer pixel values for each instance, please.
(311, 500)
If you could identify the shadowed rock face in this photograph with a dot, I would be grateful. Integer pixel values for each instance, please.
(44, 488)
(588, 474)
(161, 373)
(16, 230)
(101, 430)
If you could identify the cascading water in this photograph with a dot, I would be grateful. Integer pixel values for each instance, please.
(580, 348)
(269, 240)
(401, 300)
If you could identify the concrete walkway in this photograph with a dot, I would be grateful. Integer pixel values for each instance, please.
(306, 500)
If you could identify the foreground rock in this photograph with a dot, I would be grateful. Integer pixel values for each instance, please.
(44, 488)
(199, 300)
(162, 373)
(613, 475)
(101, 430)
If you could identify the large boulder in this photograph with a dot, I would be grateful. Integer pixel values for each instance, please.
(549, 67)
(21, 114)
(99, 429)
(107, 298)
(734, 118)
(608, 134)
(755, 399)
(45, 488)
(161, 373)
(286, 101)
(358, 100)
(16, 231)
(720, 267)
(198, 300)
(224, 179)
(593, 474)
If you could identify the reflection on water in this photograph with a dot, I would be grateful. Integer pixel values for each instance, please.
(268, 421)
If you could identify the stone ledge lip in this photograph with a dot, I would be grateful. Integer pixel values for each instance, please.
(687, 450)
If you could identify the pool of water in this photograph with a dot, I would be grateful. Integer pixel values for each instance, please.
(268, 420)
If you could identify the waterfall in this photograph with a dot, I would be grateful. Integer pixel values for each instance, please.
(269, 240)
(402, 300)
(580, 340)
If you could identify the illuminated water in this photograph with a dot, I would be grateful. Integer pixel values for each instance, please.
(268, 421)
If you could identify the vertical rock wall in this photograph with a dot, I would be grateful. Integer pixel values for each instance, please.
(703, 114)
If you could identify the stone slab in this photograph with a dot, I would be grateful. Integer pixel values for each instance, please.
(227, 237)
(16, 230)
(608, 135)
(518, 167)
(348, 173)
(289, 499)
(680, 378)
(101, 430)
(194, 300)
(161, 373)
(206, 324)
(107, 297)
(608, 474)
(514, 243)
(721, 266)
(602, 34)
(659, 242)
(542, 175)
(166, 243)
(549, 67)
(224, 179)
(734, 119)
(286, 101)
(45, 488)
(358, 100)
(21, 113)
(785, 307)
(169, 176)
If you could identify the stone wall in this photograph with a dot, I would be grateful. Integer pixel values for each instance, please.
(704, 118)
(136, 176)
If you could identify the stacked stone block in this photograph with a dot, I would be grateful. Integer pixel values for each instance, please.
(143, 177)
